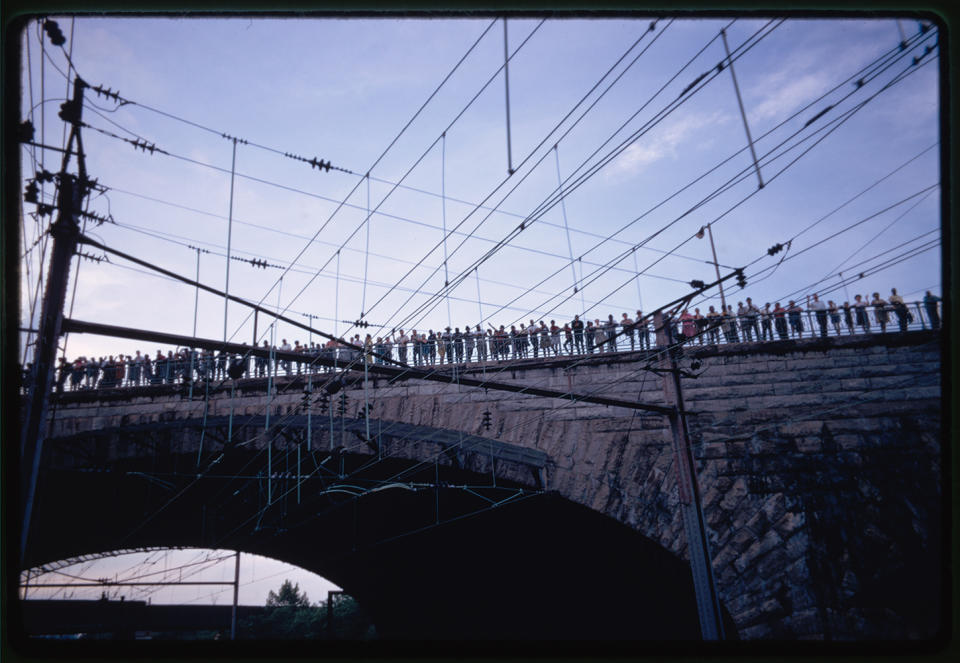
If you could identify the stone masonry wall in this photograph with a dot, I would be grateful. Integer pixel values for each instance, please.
(818, 464)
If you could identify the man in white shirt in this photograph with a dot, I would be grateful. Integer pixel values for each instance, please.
(820, 310)
(285, 347)
(402, 341)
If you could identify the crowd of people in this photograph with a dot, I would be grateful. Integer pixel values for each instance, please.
(746, 323)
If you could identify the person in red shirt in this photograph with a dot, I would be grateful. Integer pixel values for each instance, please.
(687, 324)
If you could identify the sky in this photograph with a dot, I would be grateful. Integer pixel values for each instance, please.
(422, 129)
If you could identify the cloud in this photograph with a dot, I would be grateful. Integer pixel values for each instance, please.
(664, 143)
(791, 96)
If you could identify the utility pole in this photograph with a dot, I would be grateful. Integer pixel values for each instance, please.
(236, 591)
(698, 547)
(65, 232)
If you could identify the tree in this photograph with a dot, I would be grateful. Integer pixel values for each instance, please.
(289, 616)
(288, 596)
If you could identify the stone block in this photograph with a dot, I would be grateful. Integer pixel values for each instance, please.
(805, 623)
(734, 495)
(758, 632)
(789, 523)
(771, 565)
(800, 428)
(741, 540)
(748, 617)
(848, 441)
(768, 542)
(726, 556)
(855, 384)
(809, 444)
(774, 508)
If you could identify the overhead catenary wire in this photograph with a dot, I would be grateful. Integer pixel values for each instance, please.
(836, 122)
(533, 216)
(406, 174)
(527, 158)
(470, 50)
(886, 60)
(882, 231)
(257, 259)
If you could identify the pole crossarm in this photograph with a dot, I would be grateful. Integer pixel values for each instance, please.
(397, 373)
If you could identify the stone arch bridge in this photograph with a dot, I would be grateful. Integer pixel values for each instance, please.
(461, 512)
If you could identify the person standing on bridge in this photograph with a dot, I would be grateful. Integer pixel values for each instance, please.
(903, 313)
(533, 339)
(688, 325)
(469, 342)
(416, 344)
(589, 334)
(713, 325)
(834, 315)
(545, 343)
(752, 314)
(555, 341)
(780, 321)
(732, 330)
(568, 340)
(285, 347)
(401, 341)
(480, 338)
(766, 323)
(848, 316)
(368, 349)
(627, 330)
(796, 322)
(458, 344)
(429, 341)
(880, 312)
(577, 327)
(643, 331)
(136, 369)
(447, 339)
(930, 302)
(860, 306)
(820, 311)
(700, 323)
(610, 331)
(505, 341)
(599, 337)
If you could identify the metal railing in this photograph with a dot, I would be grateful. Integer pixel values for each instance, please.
(180, 367)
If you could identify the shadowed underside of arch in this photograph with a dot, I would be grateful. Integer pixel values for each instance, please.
(431, 550)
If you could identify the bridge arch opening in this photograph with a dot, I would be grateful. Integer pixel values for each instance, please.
(163, 575)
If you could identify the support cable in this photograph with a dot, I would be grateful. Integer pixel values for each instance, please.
(743, 113)
(226, 287)
(443, 209)
(366, 254)
(506, 82)
(566, 227)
